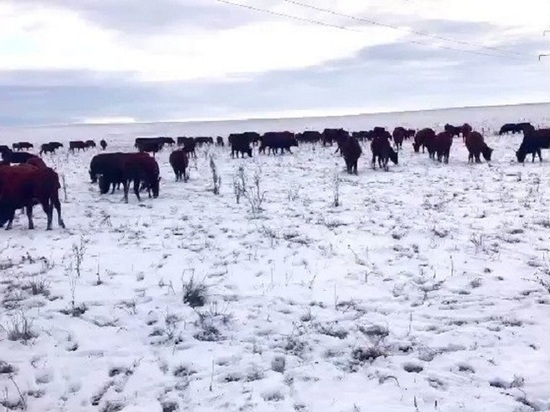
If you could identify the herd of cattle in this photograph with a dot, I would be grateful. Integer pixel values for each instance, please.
(25, 180)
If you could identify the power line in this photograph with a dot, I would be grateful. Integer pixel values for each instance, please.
(389, 26)
(340, 27)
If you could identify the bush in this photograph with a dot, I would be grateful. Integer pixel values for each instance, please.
(194, 294)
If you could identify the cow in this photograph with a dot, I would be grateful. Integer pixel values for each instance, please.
(25, 185)
(179, 162)
(363, 135)
(90, 143)
(309, 136)
(36, 161)
(219, 141)
(139, 168)
(351, 150)
(151, 146)
(102, 163)
(22, 145)
(466, 129)
(514, 128)
(278, 140)
(103, 144)
(329, 136)
(475, 143)
(421, 137)
(533, 142)
(50, 147)
(453, 130)
(77, 145)
(4, 149)
(240, 143)
(203, 140)
(409, 134)
(16, 157)
(443, 143)
(254, 137)
(382, 150)
(167, 141)
(398, 135)
(188, 144)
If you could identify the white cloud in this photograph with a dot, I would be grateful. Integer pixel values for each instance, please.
(51, 38)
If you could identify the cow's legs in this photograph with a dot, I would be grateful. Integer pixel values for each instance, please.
(29, 216)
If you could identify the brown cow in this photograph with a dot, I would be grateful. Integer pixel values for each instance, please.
(466, 129)
(476, 145)
(179, 162)
(399, 134)
(25, 185)
(36, 161)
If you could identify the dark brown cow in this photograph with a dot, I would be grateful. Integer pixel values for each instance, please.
(443, 143)
(36, 161)
(351, 150)
(179, 162)
(50, 147)
(466, 129)
(476, 146)
(22, 145)
(25, 185)
(153, 146)
(188, 144)
(16, 157)
(453, 130)
(77, 145)
(329, 136)
(90, 143)
(103, 144)
(421, 137)
(103, 163)
(125, 168)
(240, 143)
(398, 135)
(278, 140)
(382, 150)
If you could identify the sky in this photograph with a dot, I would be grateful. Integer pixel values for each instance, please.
(89, 61)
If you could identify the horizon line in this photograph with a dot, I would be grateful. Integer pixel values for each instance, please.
(269, 118)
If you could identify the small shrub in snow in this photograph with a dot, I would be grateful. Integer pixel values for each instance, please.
(368, 354)
(38, 286)
(216, 178)
(255, 195)
(194, 293)
(5, 367)
(336, 190)
(19, 328)
(278, 364)
(169, 406)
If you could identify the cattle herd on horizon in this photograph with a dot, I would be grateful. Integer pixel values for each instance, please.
(25, 180)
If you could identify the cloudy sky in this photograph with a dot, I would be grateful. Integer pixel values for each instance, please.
(72, 61)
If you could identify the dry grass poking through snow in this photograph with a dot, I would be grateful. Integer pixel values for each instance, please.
(424, 288)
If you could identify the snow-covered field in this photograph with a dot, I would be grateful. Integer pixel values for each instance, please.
(420, 291)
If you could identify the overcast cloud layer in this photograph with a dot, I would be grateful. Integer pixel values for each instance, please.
(65, 61)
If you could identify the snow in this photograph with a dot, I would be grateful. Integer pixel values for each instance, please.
(419, 291)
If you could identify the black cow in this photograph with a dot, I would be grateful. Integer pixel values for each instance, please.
(50, 147)
(453, 130)
(443, 143)
(329, 136)
(103, 144)
(188, 144)
(514, 128)
(420, 139)
(278, 140)
(382, 150)
(22, 145)
(90, 143)
(77, 145)
(309, 136)
(16, 157)
(219, 141)
(240, 143)
(533, 142)
(363, 135)
(351, 150)
(152, 146)
(203, 140)
(101, 164)
(179, 162)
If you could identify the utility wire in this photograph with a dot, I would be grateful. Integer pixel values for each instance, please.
(340, 27)
(389, 26)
